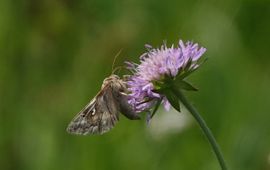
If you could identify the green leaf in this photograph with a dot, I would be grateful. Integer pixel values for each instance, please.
(187, 72)
(184, 85)
(172, 98)
(189, 62)
(156, 108)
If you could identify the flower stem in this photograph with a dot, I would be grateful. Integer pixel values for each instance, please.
(204, 128)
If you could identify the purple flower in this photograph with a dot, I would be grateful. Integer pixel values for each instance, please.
(155, 66)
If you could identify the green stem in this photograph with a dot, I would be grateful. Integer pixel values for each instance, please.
(204, 128)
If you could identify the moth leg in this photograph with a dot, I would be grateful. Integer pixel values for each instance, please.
(126, 109)
(123, 94)
(130, 115)
(126, 77)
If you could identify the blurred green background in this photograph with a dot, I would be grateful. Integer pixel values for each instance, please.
(54, 55)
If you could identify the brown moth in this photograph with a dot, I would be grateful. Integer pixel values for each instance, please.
(102, 112)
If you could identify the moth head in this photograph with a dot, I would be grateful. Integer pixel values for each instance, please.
(115, 82)
(113, 77)
(110, 79)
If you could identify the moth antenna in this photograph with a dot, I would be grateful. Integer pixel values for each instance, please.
(114, 60)
(117, 68)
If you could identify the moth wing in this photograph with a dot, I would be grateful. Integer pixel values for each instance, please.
(98, 117)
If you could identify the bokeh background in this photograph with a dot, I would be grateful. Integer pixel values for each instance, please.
(54, 55)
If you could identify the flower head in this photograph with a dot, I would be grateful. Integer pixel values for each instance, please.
(158, 67)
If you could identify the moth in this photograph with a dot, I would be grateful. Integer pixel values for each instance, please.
(102, 113)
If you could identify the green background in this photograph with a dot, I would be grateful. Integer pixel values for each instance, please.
(54, 55)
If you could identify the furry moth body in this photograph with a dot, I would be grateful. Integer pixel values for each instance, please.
(102, 112)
